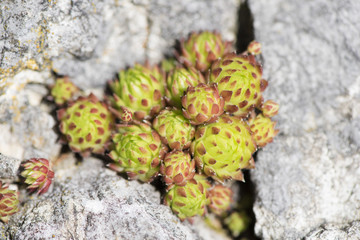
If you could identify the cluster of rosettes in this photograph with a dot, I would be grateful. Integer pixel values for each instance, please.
(198, 117)
(37, 174)
(211, 123)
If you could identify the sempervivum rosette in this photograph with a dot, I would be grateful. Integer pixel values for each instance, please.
(122, 113)
(177, 168)
(203, 180)
(202, 104)
(178, 81)
(37, 174)
(87, 124)
(254, 48)
(174, 129)
(63, 90)
(202, 48)
(9, 203)
(239, 83)
(187, 201)
(223, 148)
(237, 222)
(263, 130)
(269, 108)
(140, 89)
(220, 199)
(137, 151)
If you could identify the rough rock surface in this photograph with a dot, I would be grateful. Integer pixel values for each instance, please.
(89, 201)
(26, 126)
(332, 231)
(91, 40)
(8, 166)
(310, 175)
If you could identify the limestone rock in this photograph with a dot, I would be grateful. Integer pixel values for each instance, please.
(26, 126)
(309, 176)
(8, 167)
(333, 231)
(89, 201)
(91, 40)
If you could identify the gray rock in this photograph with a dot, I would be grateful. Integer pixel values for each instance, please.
(309, 176)
(91, 41)
(9, 167)
(349, 231)
(26, 126)
(214, 15)
(89, 201)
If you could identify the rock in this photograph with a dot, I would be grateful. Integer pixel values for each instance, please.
(91, 41)
(333, 231)
(214, 15)
(8, 167)
(89, 201)
(26, 126)
(309, 176)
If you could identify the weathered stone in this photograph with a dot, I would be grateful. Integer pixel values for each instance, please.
(9, 167)
(333, 231)
(310, 174)
(27, 129)
(91, 41)
(89, 201)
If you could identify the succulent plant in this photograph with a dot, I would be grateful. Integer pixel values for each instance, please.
(174, 129)
(187, 201)
(239, 83)
(140, 89)
(237, 223)
(220, 199)
(263, 130)
(63, 90)
(178, 81)
(122, 113)
(9, 203)
(215, 223)
(215, 117)
(202, 48)
(254, 48)
(202, 104)
(37, 174)
(269, 108)
(87, 124)
(202, 179)
(177, 168)
(223, 148)
(137, 151)
(168, 64)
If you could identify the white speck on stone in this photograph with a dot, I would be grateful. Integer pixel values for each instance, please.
(10, 147)
(94, 206)
(354, 88)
